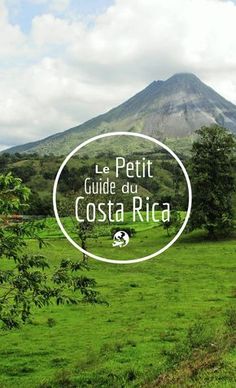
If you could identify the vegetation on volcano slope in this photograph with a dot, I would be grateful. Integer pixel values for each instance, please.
(38, 173)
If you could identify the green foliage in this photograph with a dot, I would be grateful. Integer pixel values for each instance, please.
(173, 225)
(24, 172)
(212, 176)
(130, 231)
(13, 195)
(41, 206)
(39, 172)
(27, 282)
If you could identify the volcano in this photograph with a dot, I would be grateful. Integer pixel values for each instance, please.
(171, 109)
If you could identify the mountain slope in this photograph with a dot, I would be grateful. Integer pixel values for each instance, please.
(171, 109)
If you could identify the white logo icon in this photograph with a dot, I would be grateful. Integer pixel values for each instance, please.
(121, 239)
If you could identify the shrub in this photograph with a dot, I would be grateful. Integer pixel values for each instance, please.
(51, 322)
(130, 231)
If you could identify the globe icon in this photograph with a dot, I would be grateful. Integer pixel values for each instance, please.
(120, 239)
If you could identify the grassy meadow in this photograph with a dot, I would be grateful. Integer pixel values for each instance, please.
(170, 321)
(167, 322)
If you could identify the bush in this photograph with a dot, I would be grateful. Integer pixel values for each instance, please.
(51, 322)
(24, 172)
(130, 231)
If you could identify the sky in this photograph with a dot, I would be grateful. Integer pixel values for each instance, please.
(63, 62)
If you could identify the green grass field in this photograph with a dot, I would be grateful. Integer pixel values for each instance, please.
(150, 237)
(171, 321)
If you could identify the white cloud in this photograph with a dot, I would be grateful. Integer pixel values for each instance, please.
(12, 40)
(50, 30)
(65, 71)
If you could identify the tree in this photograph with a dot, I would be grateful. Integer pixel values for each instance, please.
(27, 280)
(40, 206)
(212, 170)
(173, 225)
(24, 172)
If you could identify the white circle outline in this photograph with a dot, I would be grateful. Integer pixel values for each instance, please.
(102, 136)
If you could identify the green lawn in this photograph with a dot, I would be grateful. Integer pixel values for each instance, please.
(154, 308)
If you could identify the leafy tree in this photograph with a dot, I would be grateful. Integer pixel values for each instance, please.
(173, 225)
(25, 279)
(83, 229)
(40, 206)
(212, 168)
(24, 172)
(4, 160)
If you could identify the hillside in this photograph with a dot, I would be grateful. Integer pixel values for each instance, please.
(171, 109)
